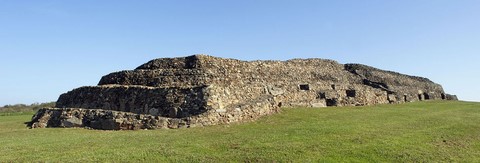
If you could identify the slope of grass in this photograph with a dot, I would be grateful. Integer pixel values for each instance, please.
(431, 131)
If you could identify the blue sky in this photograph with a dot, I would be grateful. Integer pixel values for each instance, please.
(50, 47)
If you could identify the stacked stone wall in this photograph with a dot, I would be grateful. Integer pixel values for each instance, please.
(167, 102)
(203, 90)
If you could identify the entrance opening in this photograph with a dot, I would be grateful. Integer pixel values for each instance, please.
(426, 96)
(405, 98)
(321, 95)
(332, 102)
(304, 87)
(443, 96)
(351, 93)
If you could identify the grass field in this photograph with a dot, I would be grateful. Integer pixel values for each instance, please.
(433, 131)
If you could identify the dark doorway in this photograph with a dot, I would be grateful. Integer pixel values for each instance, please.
(332, 102)
(351, 93)
(426, 96)
(305, 87)
(321, 95)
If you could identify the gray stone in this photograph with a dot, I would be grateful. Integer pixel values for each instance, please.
(153, 111)
(72, 122)
(275, 91)
(451, 97)
(392, 98)
(319, 105)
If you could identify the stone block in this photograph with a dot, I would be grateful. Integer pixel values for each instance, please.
(72, 122)
(319, 104)
(451, 97)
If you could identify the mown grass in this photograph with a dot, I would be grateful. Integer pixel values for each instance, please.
(433, 131)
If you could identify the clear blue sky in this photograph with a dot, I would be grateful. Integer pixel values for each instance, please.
(50, 47)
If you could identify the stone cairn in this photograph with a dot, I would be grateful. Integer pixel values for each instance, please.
(202, 90)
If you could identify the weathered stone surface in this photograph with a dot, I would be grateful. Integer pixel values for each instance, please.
(137, 99)
(451, 97)
(95, 119)
(319, 103)
(72, 122)
(203, 90)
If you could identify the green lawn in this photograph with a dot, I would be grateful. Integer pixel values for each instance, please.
(431, 131)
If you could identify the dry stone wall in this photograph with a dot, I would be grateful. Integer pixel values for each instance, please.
(203, 90)
(168, 102)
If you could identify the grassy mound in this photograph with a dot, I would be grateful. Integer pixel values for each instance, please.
(423, 131)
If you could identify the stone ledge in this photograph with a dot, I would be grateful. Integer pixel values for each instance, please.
(119, 120)
(102, 119)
